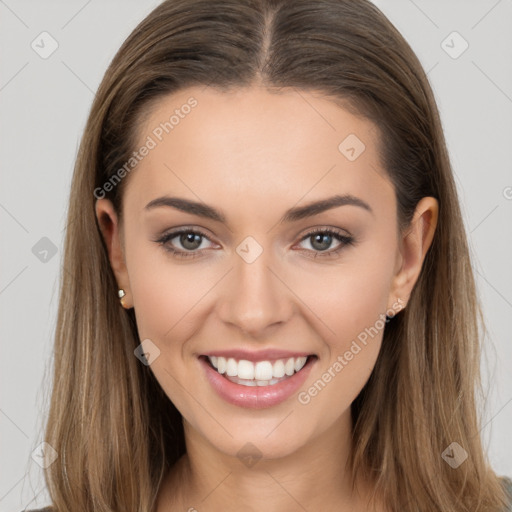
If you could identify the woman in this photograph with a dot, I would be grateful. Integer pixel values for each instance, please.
(268, 301)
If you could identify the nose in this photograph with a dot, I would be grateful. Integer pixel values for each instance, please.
(255, 298)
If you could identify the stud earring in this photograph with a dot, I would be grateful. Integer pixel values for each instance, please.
(121, 294)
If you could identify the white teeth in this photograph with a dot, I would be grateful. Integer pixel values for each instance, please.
(299, 363)
(263, 370)
(289, 366)
(278, 370)
(245, 369)
(221, 364)
(251, 383)
(261, 373)
(231, 368)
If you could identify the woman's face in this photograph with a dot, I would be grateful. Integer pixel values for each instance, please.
(255, 283)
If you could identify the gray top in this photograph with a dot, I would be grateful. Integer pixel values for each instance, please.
(507, 483)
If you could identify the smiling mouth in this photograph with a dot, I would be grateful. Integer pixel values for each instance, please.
(260, 373)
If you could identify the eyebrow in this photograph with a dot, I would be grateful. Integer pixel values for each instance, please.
(291, 215)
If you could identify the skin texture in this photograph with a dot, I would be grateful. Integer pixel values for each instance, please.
(253, 154)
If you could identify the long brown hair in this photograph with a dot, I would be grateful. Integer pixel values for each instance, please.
(115, 430)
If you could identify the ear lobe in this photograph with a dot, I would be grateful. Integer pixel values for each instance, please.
(414, 245)
(110, 230)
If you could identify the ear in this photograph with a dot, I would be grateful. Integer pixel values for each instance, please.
(110, 229)
(413, 247)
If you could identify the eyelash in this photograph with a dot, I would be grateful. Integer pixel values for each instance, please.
(344, 239)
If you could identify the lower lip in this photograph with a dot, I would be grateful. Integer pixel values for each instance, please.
(256, 397)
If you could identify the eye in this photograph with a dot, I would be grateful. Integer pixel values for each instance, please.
(188, 242)
(189, 239)
(322, 239)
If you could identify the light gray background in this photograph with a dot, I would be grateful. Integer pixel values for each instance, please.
(44, 104)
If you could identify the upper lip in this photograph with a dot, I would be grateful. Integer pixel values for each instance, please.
(260, 355)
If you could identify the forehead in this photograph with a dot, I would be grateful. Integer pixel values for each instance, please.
(254, 141)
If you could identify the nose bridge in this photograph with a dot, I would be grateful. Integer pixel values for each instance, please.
(255, 297)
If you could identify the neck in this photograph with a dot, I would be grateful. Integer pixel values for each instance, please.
(314, 477)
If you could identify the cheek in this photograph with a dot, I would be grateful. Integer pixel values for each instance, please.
(163, 300)
(169, 310)
(347, 298)
(353, 306)
(171, 298)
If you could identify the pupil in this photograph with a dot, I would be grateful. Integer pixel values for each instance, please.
(319, 237)
(190, 240)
